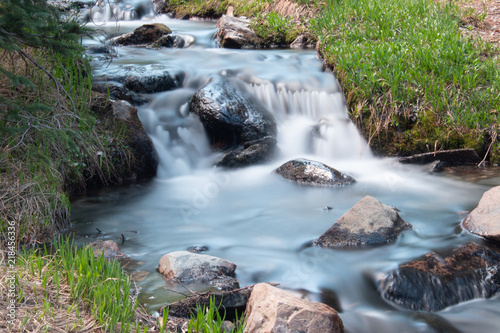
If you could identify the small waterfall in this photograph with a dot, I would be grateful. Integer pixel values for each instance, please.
(102, 11)
(312, 122)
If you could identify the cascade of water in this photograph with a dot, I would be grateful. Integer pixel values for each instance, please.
(102, 11)
(312, 122)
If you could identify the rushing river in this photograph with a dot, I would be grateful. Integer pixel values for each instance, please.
(256, 219)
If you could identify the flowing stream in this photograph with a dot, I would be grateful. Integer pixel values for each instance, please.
(254, 218)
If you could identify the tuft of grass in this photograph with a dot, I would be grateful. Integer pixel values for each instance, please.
(413, 82)
(66, 288)
(208, 320)
(275, 29)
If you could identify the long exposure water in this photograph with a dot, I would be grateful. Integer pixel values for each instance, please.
(253, 217)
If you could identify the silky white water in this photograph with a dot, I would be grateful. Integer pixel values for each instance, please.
(254, 218)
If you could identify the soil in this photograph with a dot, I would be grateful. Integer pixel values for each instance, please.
(473, 24)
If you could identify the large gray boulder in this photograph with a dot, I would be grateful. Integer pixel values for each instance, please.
(484, 220)
(236, 33)
(270, 310)
(312, 173)
(369, 222)
(436, 281)
(185, 266)
(252, 152)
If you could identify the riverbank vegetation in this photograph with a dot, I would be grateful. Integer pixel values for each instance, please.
(52, 143)
(413, 81)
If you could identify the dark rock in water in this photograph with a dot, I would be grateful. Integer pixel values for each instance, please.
(151, 83)
(235, 33)
(160, 6)
(109, 249)
(96, 49)
(369, 222)
(143, 35)
(252, 152)
(197, 249)
(484, 220)
(229, 116)
(455, 157)
(137, 80)
(436, 281)
(117, 92)
(172, 41)
(435, 166)
(231, 302)
(312, 173)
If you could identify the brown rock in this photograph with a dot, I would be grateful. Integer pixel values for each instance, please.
(369, 222)
(143, 35)
(108, 248)
(437, 281)
(235, 33)
(270, 309)
(484, 220)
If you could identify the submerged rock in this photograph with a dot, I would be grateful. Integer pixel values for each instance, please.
(369, 222)
(484, 220)
(312, 173)
(171, 41)
(270, 309)
(252, 152)
(143, 35)
(185, 266)
(108, 248)
(437, 281)
(230, 301)
(235, 33)
(455, 157)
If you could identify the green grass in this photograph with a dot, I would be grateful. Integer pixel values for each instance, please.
(407, 69)
(209, 320)
(276, 30)
(68, 279)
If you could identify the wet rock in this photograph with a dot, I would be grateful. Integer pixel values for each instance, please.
(252, 152)
(369, 222)
(484, 220)
(185, 266)
(270, 309)
(109, 249)
(123, 110)
(235, 33)
(197, 249)
(231, 302)
(143, 35)
(455, 157)
(229, 116)
(160, 6)
(435, 166)
(117, 92)
(437, 281)
(171, 41)
(150, 83)
(96, 49)
(312, 173)
(133, 81)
